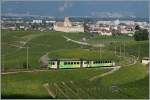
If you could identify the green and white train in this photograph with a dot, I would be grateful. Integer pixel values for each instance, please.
(79, 63)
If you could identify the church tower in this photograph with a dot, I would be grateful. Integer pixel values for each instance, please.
(67, 22)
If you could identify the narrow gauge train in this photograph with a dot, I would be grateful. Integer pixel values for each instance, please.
(79, 63)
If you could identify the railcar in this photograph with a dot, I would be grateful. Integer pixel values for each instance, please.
(79, 63)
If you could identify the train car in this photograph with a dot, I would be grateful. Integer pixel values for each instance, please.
(69, 64)
(53, 64)
(64, 63)
(103, 63)
(79, 63)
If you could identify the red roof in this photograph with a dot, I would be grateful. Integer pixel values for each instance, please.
(60, 24)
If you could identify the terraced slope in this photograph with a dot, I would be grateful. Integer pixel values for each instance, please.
(127, 82)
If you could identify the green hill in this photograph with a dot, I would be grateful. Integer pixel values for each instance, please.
(124, 83)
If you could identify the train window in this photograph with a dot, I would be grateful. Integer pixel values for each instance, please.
(71, 62)
(75, 62)
(68, 63)
(97, 62)
(85, 62)
(65, 63)
(53, 63)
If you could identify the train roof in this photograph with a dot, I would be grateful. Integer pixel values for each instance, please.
(75, 59)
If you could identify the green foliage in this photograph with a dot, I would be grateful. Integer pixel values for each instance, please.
(141, 35)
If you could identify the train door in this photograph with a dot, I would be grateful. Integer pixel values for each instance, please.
(58, 63)
(84, 63)
(54, 64)
(81, 63)
(88, 63)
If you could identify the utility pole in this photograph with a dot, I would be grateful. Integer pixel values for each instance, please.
(3, 63)
(139, 52)
(100, 52)
(120, 50)
(27, 58)
(124, 48)
(115, 49)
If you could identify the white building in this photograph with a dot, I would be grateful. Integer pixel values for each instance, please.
(104, 22)
(37, 21)
(47, 21)
(145, 60)
(108, 33)
(68, 26)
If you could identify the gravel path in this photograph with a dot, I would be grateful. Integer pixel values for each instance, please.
(104, 74)
(82, 43)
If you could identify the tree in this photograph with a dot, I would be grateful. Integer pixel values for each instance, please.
(137, 27)
(115, 32)
(141, 35)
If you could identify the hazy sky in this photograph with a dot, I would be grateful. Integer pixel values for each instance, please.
(77, 8)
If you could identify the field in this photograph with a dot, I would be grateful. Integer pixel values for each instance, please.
(34, 81)
(127, 82)
(40, 43)
(74, 83)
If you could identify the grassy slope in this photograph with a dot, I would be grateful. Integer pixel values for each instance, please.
(126, 83)
(83, 53)
(128, 79)
(135, 48)
(137, 89)
(126, 74)
(31, 84)
(39, 42)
